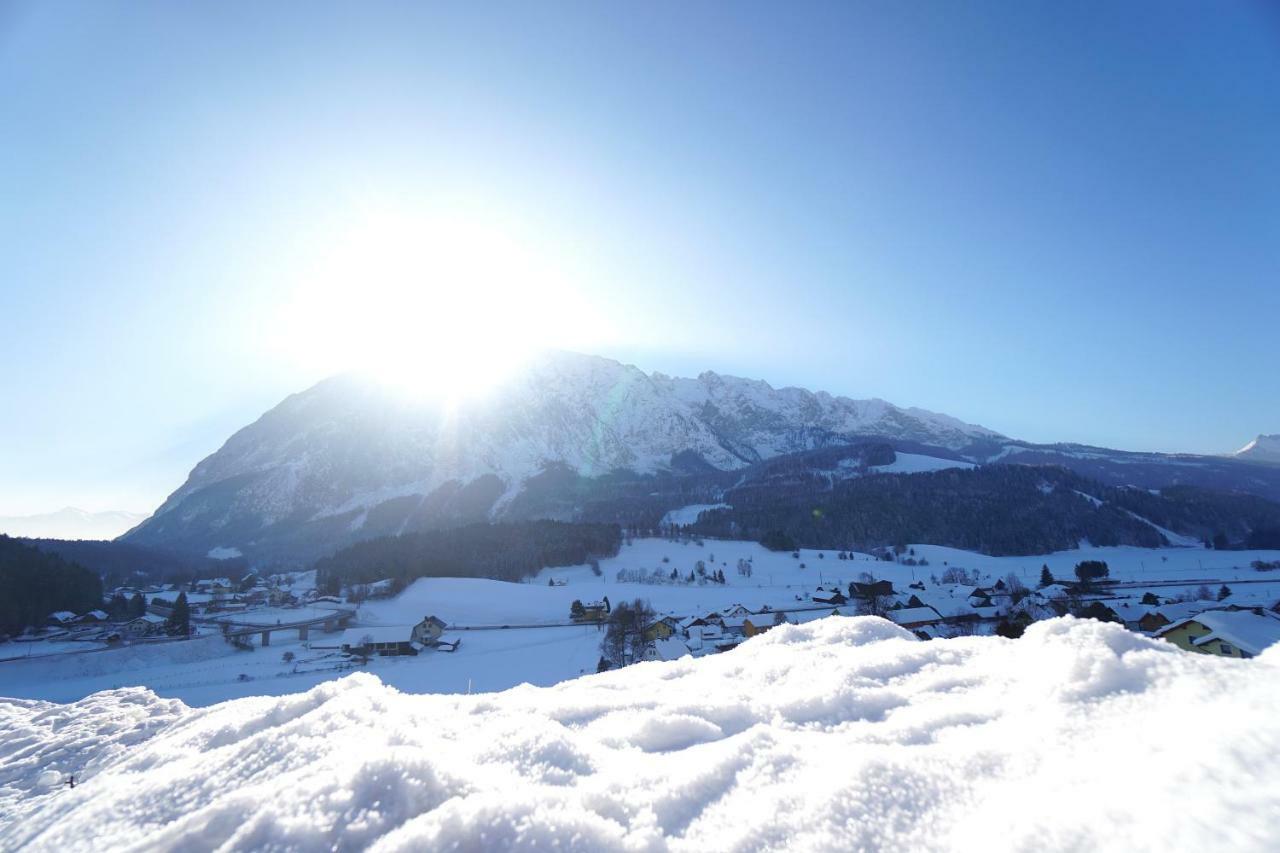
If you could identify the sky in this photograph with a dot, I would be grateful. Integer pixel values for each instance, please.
(1061, 221)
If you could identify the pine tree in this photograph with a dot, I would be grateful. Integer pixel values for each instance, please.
(137, 605)
(179, 622)
(1046, 576)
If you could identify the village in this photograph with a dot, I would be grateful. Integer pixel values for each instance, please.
(692, 598)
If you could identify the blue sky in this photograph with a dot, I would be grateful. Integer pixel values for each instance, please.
(1061, 221)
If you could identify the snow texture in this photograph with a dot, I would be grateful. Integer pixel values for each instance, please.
(840, 734)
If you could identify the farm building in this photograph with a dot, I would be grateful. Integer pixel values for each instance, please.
(385, 640)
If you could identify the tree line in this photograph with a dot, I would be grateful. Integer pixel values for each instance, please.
(994, 509)
(507, 551)
(34, 584)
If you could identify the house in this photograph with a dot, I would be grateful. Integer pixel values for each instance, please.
(592, 611)
(1161, 615)
(146, 625)
(428, 631)
(760, 623)
(385, 640)
(1152, 621)
(277, 597)
(734, 611)
(665, 649)
(987, 613)
(875, 589)
(1228, 633)
(384, 588)
(660, 629)
(255, 596)
(914, 617)
(710, 620)
(61, 617)
(213, 586)
(92, 617)
(836, 597)
(979, 597)
(734, 626)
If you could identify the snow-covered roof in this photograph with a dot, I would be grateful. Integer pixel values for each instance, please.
(909, 615)
(1241, 628)
(62, 615)
(150, 618)
(1180, 610)
(355, 637)
(669, 649)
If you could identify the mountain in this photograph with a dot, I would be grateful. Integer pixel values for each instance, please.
(348, 458)
(70, 523)
(582, 438)
(1264, 448)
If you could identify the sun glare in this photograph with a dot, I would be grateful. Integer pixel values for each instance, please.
(434, 306)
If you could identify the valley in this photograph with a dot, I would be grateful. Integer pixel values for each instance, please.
(516, 633)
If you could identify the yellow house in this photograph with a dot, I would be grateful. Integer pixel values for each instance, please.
(1226, 633)
(660, 630)
(762, 622)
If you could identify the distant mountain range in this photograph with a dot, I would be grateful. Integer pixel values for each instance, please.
(70, 523)
(348, 459)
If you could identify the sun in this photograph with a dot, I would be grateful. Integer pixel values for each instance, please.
(436, 306)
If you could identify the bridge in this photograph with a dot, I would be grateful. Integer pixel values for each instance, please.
(256, 623)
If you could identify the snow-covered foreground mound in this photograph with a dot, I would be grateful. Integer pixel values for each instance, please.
(839, 734)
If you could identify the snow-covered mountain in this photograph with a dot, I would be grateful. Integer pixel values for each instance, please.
(70, 523)
(348, 446)
(350, 458)
(1264, 448)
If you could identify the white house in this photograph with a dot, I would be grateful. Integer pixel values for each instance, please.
(428, 631)
(668, 649)
(914, 617)
(144, 626)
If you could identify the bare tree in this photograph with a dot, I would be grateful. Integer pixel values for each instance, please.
(624, 641)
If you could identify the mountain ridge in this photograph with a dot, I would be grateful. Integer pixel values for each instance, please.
(71, 523)
(347, 459)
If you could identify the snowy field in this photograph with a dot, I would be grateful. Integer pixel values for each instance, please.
(493, 658)
(840, 734)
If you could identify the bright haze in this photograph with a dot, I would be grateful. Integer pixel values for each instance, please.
(1061, 221)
